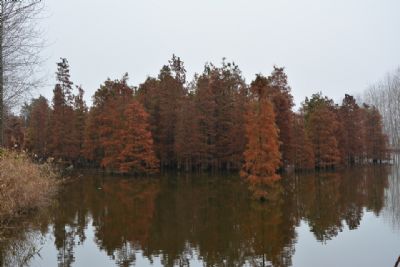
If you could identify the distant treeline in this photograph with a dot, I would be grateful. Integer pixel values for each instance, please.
(385, 95)
(214, 122)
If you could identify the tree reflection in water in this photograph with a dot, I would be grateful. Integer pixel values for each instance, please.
(179, 219)
(328, 201)
(392, 197)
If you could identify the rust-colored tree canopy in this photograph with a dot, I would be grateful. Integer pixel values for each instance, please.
(279, 93)
(303, 152)
(262, 156)
(216, 122)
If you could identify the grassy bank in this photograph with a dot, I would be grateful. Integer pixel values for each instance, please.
(24, 185)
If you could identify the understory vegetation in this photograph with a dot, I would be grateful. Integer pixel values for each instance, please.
(24, 185)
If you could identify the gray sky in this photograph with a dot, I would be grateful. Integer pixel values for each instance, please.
(333, 46)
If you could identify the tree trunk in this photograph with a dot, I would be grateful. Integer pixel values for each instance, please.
(1, 78)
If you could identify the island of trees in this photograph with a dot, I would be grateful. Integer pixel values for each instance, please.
(216, 122)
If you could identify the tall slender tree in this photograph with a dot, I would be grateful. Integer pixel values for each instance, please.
(37, 127)
(171, 91)
(280, 95)
(148, 95)
(262, 156)
(220, 96)
(61, 143)
(321, 125)
(205, 106)
(80, 113)
(187, 135)
(113, 97)
(228, 87)
(161, 98)
(350, 116)
(303, 153)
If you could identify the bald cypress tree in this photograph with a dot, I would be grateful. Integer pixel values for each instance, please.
(171, 89)
(220, 95)
(261, 156)
(111, 101)
(37, 127)
(321, 126)
(205, 106)
(350, 116)
(61, 138)
(279, 92)
(187, 135)
(136, 154)
(302, 149)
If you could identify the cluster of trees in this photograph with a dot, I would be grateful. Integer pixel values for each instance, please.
(214, 122)
(114, 134)
(385, 95)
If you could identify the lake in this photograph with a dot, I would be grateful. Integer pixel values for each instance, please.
(344, 218)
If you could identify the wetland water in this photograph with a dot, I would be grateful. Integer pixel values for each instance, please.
(346, 218)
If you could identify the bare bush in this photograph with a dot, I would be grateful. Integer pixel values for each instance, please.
(385, 95)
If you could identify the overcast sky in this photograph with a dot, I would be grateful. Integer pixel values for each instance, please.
(333, 46)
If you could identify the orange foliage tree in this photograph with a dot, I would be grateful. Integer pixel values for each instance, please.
(136, 153)
(350, 116)
(262, 156)
(321, 126)
(205, 106)
(220, 94)
(227, 85)
(117, 135)
(303, 153)
(80, 113)
(37, 123)
(187, 135)
(162, 99)
(279, 93)
(61, 140)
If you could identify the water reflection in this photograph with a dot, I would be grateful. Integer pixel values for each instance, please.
(328, 201)
(178, 220)
(392, 195)
(19, 244)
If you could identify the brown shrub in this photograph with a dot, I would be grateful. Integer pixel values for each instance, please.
(24, 185)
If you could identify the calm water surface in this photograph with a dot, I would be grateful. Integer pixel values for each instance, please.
(348, 218)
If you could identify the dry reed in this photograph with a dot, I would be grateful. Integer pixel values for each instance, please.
(24, 185)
